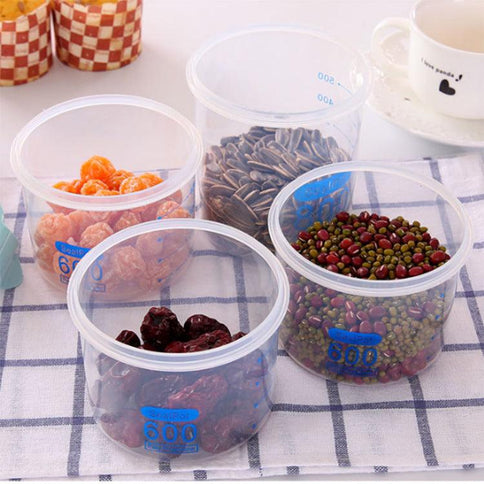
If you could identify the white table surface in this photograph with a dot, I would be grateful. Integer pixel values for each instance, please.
(172, 30)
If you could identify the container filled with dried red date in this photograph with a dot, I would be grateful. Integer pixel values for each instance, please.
(183, 367)
(272, 103)
(92, 166)
(372, 252)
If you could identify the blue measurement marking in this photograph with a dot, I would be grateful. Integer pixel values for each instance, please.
(345, 88)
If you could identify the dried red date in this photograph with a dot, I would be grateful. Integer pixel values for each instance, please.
(155, 392)
(160, 327)
(219, 435)
(125, 426)
(116, 386)
(238, 335)
(203, 395)
(198, 324)
(104, 363)
(205, 341)
(129, 337)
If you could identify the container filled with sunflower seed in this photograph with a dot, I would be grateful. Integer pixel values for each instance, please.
(272, 103)
(372, 263)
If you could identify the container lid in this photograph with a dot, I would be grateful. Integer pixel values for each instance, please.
(115, 202)
(238, 112)
(172, 362)
(365, 287)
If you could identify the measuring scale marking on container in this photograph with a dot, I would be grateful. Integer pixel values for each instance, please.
(324, 97)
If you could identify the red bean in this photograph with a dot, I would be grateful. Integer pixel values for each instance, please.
(385, 244)
(337, 302)
(366, 327)
(434, 243)
(415, 271)
(400, 271)
(357, 261)
(332, 258)
(437, 257)
(382, 272)
(321, 258)
(353, 249)
(377, 312)
(380, 328)
(346, 259)
(342, 216)
(363, 272)
(408, 237)
(366, 237)
(350, 318)
(323, 234)
(345, 243)
(417, 258)
(316, 301)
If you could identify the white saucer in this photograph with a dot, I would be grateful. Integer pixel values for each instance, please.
(393, 98)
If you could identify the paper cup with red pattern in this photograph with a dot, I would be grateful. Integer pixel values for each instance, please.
(97, 37)
(25, 48)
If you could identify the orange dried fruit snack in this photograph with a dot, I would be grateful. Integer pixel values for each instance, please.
(99, 177)
(72, 187)
(91, 187)
(54, 226)
(132, 184)
(81, 221)
(97, 168)
(94, 234)
(126, 220)
(104, 192)
(171, 209)
(128, 263)
(45, 255)
(150, 179)
(117, 178)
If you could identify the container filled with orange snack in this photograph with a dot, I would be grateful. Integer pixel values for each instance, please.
(97, 35)
(25, 41)
(93, 166)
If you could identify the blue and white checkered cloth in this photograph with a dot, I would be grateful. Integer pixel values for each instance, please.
(430, 421)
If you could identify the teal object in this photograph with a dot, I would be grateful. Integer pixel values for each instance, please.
(10, 270)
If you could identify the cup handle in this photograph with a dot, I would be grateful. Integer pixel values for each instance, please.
(377, 47)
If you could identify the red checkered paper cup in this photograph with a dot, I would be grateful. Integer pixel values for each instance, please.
(25, 49)
(97, 37)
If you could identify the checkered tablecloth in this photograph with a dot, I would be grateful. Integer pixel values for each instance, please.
(430, 421)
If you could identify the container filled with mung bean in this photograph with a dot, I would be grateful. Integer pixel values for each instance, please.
(372, 252)
(272, 103)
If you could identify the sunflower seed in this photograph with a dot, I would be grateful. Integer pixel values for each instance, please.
(244, 173)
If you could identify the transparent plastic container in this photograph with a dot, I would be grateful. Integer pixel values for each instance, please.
(180, 405)
(363, 331)
(272, 102)
(136, 134)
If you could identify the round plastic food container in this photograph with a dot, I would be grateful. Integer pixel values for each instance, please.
(360, 330)
(167, 398)
(273, 102)
(127, 137)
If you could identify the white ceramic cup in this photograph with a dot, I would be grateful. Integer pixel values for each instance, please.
(445, 54)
